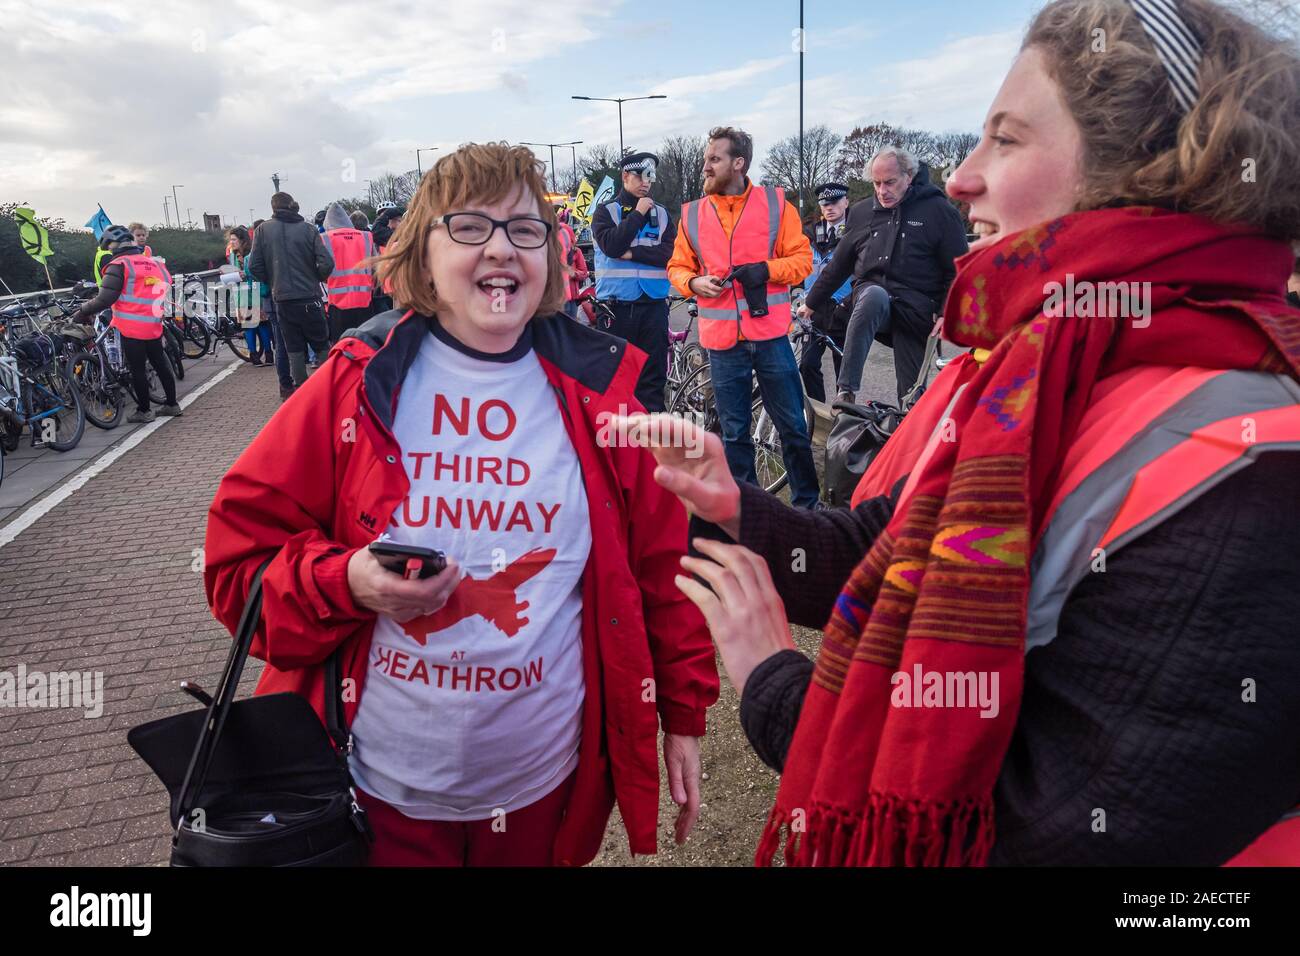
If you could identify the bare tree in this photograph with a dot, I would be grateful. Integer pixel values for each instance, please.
(863, 142)
(952, 148)
(681, 172)
(598, 162)
(394, 187)
(781, 164)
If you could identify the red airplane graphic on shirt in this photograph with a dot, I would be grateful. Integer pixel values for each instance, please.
(494, 599)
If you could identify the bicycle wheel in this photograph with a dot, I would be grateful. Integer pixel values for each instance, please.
(197, 336)
(233, 335)
(694, 401)
(156, 393)
(174, 347)
(768, 460)
(101, 397)
(53, 395)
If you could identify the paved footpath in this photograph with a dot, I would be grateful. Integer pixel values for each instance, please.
(103, 583)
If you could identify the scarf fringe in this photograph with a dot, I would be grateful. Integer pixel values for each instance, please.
(890, 831)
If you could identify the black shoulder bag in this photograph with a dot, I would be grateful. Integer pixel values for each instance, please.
(860, 431)
(258, 782)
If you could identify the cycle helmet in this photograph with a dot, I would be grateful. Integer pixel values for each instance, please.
(386, 204)
(114, 235)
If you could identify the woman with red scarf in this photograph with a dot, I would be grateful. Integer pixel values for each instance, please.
(1060, 620)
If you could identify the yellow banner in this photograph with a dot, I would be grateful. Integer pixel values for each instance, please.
(586, 192)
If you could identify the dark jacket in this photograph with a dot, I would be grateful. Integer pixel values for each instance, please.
(111, 283)
(908, 250)
(290, 257)
(614, 240)
(1136, 706)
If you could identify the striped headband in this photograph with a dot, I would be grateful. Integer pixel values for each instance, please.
(1176, 44)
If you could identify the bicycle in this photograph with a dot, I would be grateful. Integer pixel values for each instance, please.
(37, 394)
(203, 327)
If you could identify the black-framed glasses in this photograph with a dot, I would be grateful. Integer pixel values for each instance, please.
(474, 229)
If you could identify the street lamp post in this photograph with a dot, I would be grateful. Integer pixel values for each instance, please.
(424, 149)
(176, 204)
(166, 216)
(576, 142)
(620, 100)
(189, 217)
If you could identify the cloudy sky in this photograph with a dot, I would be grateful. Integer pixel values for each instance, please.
(113, 104)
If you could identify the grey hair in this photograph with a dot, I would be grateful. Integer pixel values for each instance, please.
(906, 161)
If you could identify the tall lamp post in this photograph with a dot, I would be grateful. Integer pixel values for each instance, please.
(803, 42)
(620, 100)
(424, 149)
(576, 142)
(166, 216)
(176, 204)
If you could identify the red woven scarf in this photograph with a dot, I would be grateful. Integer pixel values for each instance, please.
(892, 762)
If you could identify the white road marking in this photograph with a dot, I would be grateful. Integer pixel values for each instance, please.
(33, 514)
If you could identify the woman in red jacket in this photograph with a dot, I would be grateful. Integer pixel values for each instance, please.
(501, 707)
(1047, 614)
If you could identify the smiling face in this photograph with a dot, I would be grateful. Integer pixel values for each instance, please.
(1028, 166)
(487, 293)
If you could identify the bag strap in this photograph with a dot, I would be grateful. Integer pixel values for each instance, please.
(228, 686)
(914, 393)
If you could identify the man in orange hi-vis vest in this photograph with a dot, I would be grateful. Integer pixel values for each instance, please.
(352, 281)
(135, 287)
(738, 251)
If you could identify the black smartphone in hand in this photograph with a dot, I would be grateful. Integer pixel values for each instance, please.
(395, 558)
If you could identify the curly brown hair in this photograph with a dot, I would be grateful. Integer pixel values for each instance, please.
(474, 173)
(1233, 158)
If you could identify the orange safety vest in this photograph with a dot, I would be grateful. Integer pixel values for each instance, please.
(350, 284)
(138, 311)
(725, 320)
(1154, 440)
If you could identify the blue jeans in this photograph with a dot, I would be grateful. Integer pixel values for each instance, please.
(781, 388)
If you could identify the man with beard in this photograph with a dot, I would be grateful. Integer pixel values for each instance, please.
(634, 237)
(739, 251)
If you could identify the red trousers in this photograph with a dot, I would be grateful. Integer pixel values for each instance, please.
(525, 837)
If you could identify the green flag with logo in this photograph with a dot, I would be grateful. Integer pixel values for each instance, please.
(33, 236)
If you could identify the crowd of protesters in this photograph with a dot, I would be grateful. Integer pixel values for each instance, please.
(1066, 585)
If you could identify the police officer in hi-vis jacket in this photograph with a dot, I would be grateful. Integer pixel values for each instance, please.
(634, 238)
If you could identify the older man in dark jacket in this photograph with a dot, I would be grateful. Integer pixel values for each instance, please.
(290, 257)
(899, 250)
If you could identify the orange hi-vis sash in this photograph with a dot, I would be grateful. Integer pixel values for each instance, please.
(350, 284)
(138, 311)
(725, 320)
(1155, 439)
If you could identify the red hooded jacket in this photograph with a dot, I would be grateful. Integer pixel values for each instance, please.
(325, 474)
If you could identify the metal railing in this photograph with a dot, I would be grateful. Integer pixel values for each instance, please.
(205, 275)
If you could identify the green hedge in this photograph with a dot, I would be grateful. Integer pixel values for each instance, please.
(186, 250)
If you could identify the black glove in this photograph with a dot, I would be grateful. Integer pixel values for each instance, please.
(755, 273)
(753, 281)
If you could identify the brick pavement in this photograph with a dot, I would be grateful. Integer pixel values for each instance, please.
(104, 583)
